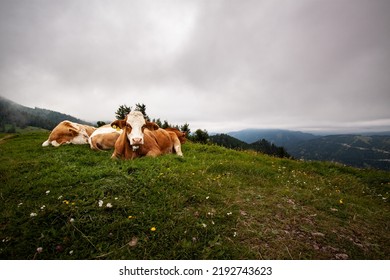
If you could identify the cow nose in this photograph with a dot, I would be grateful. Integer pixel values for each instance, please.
(137, 140)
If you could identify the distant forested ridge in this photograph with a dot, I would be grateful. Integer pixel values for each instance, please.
(365, 150)
(260, 145)
(13, 115)
(361, 151)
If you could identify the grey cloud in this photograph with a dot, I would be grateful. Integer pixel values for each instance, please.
(314, 60)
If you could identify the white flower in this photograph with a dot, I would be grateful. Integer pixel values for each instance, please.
(20, 204)
(43, 207)
(39, 249)
(60, 197)
(33, 214)
(204, 225)
(100, 203)
(229, 213)
(70, 252)
(47, 192)
(71, 220)
(109, 205)
(207, 197)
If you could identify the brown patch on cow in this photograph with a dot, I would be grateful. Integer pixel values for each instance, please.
(104, 141)
(156, 142)
(151, 126)
(180, 134)
(89, 129)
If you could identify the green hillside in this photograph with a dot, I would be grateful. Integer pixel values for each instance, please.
(74, 203)
(14, 117)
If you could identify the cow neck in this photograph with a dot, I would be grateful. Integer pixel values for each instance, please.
(135, 152)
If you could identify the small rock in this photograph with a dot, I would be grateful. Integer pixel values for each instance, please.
(318, 234)
(243, 213)
(133, 242)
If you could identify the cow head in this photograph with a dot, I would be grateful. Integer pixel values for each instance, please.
(74, 133)
(79, 137)
(134, 125)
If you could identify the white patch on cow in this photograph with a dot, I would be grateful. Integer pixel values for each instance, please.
(82, 138)
(105, 130)
(90, 141)
(55, 143)
(46, 143)
(178, 150)
(136, 120)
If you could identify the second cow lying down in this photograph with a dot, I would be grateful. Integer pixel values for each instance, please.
(141, 138)
(104, 137)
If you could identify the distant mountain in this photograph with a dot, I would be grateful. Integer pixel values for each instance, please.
(262, 145)
(355, 150)
(367, 150)
(279, 137)
(229, 142)
(15, 115)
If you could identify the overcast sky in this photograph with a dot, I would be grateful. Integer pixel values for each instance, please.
(217, 65)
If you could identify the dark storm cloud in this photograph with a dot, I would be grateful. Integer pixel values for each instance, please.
(221, 65)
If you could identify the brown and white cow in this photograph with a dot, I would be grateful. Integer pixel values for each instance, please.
(67, 132)
(140, 138)
(180, 134)
(104, 137)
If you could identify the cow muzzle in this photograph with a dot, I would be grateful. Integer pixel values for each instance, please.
(136, 141)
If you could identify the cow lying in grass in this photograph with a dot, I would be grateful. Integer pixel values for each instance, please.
(104, 138)
(67, 132)
(140, 138)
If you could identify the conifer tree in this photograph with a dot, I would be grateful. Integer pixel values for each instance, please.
(165, 124)
(186, 128)
(201, 136)
(142, 108)
(122, 112)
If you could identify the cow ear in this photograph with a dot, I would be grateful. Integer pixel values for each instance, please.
(118, 123)
(151, 126)
(73, 131)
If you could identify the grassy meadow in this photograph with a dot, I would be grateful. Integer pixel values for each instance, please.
(74, 203)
